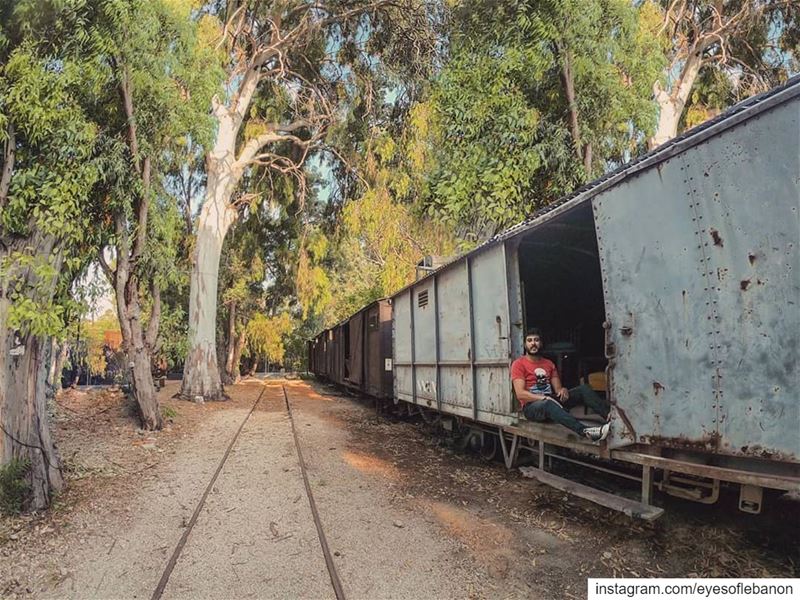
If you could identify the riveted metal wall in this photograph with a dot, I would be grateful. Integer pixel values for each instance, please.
(401, 347)
(701, 274)
(451, 338)
(490, 308)
(454, 343)
(378, 349)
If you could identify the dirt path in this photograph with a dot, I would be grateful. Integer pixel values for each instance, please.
(405, 516)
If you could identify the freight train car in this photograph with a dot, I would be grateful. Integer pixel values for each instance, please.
(671, 285)
(356, 353)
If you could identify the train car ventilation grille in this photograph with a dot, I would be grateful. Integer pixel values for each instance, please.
(422, 298)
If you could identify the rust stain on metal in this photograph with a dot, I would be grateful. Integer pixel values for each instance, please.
(761, 452)
(752, 258)
(711, 441)
(626, 420)
(716, 237)
(657, 387)
(744, 284)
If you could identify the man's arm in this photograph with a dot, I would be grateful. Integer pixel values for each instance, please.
(562, 393)
(524, 395)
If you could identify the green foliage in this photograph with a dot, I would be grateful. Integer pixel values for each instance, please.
(46, 220)
(94, 334)
(61, 67)
(380, 237)
(744, 48)
(173, 343)
(168, 412)
(14, 487)
(499, 141)
(312, 281)
(265, 336)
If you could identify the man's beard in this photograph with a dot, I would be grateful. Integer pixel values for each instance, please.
(532, 351)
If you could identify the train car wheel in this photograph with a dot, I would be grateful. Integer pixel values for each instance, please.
(431, 417)
(488, 450)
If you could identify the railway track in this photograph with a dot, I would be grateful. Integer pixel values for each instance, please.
(331, 566)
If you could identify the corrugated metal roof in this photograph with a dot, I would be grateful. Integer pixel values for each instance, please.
(738, 113)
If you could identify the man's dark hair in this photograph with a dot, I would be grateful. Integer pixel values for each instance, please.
(534, 331)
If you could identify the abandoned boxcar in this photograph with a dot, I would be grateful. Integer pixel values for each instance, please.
(672, 284)
(360, 351)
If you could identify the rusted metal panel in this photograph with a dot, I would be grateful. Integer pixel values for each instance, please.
(491, 327)
(457, 354)
(515, 316)
(701, 275)
(373, 351)
(452, 311)
(385, 320)
(322, 349)
(401, 347)
(424, 311)
(338, 357)
(355, 362)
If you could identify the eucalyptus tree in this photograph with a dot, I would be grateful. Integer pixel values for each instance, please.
(157, 85)
(751, 45)
(293, 57)
(242, 275)
(535, 98)
(381, 237)
(258, 269)
(50, 165)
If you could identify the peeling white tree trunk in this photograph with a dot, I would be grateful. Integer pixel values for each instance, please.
(672, 102)
(201, 376)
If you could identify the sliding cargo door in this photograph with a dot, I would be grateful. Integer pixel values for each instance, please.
(491, 330)
(355, 365)
(403, 353)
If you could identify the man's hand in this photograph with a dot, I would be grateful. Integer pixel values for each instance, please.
(563, 395)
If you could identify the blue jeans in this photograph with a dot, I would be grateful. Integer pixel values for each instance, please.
(550, 409)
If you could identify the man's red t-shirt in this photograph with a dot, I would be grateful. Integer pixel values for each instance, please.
(537, 374)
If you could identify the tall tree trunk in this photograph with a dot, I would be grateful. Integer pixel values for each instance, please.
(672, 102)
(52, 369)
(237, 356)
(58, 366)
(582, 151)
(201, 375)
(137, 350)
(131, 240)
(25, 430)
(230, 337)
(24, 361)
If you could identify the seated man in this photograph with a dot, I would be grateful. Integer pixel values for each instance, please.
(542, 397)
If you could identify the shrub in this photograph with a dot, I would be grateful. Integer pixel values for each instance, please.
(14, 488)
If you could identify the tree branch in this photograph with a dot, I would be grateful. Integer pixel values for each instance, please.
(127, 103)
(569, 91)
(252, 147)
(142, 206)
(109, 272)
(151, 336)
(8, 165)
